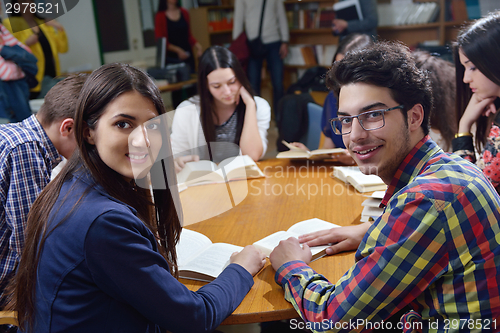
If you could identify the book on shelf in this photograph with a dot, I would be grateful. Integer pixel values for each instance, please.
(207, 172)
(200, 259)
(308, 53)
(311, 55)
(299, 153)
(361, 182)
(371, 207)
(410, 13)
(348, 10)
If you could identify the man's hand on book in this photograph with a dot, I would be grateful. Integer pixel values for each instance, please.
(250, 258)
(180, 162)
(289, 250)
(342, 239)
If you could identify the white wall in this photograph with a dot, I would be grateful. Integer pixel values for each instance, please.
(80, 28)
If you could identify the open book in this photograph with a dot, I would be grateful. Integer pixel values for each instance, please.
(298, 153)
(200, 259)
(348, 10)
(207, 172)
(267, 244)
(360, 181)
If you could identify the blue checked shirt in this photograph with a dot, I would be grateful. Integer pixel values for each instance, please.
(27, 157)
(435, 249)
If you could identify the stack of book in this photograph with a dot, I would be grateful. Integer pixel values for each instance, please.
(361, 182)
(371, 207)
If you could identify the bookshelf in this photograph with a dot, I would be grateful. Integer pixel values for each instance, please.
(442, 30)
(212, 25)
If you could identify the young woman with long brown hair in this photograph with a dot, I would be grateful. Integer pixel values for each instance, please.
(100, 250)
(224, 111)
(478, 95)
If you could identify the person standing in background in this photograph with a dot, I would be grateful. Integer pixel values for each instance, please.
(14, 90)
(172, 22)
(45, 38)
(275, 37)
(368, 25)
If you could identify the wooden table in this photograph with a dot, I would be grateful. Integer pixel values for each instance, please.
(290, 193)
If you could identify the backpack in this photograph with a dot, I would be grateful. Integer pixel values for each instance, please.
(292, 118)
(312, 80)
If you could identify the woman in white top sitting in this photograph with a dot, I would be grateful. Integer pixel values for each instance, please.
(225, 114)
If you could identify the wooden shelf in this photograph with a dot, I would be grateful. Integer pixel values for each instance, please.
(311, 31)
(220, 32)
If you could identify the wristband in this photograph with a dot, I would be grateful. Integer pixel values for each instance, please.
(459, 135)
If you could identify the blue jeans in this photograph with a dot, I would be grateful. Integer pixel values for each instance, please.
(14, 104)
(274, 66)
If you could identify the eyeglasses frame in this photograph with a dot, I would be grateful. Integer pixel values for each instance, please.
(333, 120)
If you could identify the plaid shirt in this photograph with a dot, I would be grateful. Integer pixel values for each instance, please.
(27, 157)
(434, 249)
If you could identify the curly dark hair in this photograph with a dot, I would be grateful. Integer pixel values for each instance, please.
(389, 65)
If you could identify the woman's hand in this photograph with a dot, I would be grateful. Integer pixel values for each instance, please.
(342, 239)
(250, 258)
(180, 162)
(33, 39)
(299, 145)
(477, 107)
(183, 55)
(245, 96)
(199, 49)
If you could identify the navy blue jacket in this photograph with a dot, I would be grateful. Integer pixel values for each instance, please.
(100, 271)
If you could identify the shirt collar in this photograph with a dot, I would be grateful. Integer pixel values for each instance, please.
(33, 124)
(414, 163)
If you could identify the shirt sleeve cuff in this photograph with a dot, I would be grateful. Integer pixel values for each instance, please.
(285, 272)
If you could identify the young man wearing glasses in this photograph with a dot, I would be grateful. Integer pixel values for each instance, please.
(434, 253)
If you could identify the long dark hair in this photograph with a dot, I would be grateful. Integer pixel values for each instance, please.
(102, 87)
(442, 76)
(480, 42)
(213, 58)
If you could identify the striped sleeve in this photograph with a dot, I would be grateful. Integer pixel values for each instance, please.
(9, 71)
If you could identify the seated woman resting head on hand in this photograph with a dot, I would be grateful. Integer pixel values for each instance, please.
(225, 111)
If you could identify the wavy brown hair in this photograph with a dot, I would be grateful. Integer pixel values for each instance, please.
(442, 76)
(480, 42)
(101, 88)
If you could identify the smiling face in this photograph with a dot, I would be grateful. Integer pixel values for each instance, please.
(379, 151)
(476, 80)
(223, 86)
(127, 135)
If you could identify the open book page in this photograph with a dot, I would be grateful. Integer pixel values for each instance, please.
(207, 172)
(341, 172)
(314, 154)
(196, 170)
(240, 167)
(191, 243)
(361, 182)
(210, 263)
(267, 244)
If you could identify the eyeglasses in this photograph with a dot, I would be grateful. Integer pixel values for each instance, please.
(369, 121)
